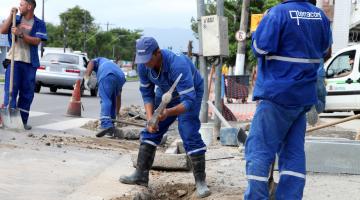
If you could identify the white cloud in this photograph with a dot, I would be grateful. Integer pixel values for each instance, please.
(122, 13)
(164, 19)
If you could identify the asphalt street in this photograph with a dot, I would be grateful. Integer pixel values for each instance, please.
(58, 160)
(49, 108)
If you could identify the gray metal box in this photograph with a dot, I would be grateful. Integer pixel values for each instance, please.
(215, 35)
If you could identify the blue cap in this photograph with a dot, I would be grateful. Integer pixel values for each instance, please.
(145, 46)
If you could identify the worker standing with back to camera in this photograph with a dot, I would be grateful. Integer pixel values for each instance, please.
(289, 43)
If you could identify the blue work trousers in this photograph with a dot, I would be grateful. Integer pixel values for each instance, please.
(23, 85)
(109, 89)
(188, 126)
(276, 129)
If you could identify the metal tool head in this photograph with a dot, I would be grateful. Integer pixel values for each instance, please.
(11, 118)
(171, 90)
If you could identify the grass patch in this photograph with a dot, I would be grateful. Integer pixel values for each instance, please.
(132, 78)
(2, 79)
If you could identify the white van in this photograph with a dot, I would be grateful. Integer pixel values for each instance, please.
(343, 80)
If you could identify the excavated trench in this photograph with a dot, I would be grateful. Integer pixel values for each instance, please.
(167, 191)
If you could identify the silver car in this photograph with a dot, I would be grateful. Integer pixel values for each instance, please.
(61, 71)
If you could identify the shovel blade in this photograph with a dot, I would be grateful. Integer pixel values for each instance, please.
(11, 118)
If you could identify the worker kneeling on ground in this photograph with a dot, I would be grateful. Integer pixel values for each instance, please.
(289, 42)
(110, 80)
(162, 68)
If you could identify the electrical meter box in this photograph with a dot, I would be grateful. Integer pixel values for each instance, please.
(215, 38)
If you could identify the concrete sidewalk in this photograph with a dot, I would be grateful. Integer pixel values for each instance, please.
(74, 165)
(34, 165)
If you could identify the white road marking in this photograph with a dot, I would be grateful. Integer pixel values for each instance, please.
(64, 125)
(37, 114)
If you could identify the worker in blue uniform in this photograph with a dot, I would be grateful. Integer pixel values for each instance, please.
(289, 43)
(29, 32)
(161, 68)
(110, 80)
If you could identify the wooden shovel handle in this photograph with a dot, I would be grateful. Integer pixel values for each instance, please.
(12, 57)
(210, 81)
(334, 123)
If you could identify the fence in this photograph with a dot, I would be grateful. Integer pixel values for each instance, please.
(236, 104)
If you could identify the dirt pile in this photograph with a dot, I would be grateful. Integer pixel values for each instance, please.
(167, 191)
(130, 114)
(89, 143)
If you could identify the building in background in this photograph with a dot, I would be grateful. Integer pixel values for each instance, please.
(4, 45)
(345, 20)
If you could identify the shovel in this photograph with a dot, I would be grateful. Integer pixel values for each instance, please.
(229, 136)
(11, 116)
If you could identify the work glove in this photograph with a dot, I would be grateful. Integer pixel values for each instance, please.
(6, 63)
(312, 116)
(118, 116)
(151, 129)
(86, 82)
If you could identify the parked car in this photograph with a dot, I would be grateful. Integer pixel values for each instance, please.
(343, 80)
(61, 71)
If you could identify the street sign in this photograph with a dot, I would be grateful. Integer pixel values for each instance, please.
(240, 36)
(255, 21)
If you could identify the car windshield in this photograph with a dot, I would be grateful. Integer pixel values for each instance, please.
(61, 58)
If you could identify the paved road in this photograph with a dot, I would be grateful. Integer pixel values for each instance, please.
(49, 109)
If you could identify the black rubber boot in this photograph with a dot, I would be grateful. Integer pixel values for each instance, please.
(109, 131)
(27, 127)
(144, 162)
(198, 164)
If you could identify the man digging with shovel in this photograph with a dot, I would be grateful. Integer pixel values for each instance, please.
(167, 71)
(24, 37)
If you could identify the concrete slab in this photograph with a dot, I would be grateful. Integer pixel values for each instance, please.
(171, 162)
(106, 185)
(50, 173)
(333, 156)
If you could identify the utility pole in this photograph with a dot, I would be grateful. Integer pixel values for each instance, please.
(85, 30)
(218, 69)
(43, 9)
(240, 55)
(202, 63)
(65, 32)
(113, 52)
(43, 18)
(107, 26)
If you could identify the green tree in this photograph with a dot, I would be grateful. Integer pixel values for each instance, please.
(77, 25)
(123, 43)
(77, 30)
(55, 36)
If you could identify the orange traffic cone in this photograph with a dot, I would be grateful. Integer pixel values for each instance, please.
(74, 108)
(1, 123)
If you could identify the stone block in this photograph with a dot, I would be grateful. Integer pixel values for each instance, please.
(168, 162)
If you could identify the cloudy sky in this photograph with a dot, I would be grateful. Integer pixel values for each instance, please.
(162, 15)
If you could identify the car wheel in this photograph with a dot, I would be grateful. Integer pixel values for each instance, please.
(94, 92)
(53, 89)
(37, 87)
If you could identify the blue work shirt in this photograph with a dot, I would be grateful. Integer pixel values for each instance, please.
(173, 65)
(289, 42)
(38, 30)
(104, 67)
